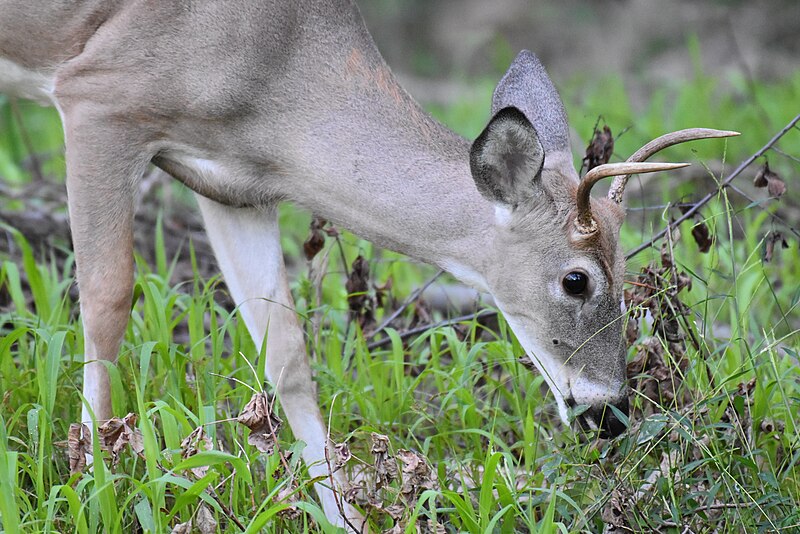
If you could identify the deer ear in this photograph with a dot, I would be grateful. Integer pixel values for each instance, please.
(507, 158)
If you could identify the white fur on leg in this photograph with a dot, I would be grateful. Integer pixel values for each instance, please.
(246, 243)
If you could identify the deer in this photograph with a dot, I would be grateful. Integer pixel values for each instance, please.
(253, 103)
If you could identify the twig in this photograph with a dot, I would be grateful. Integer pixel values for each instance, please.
(337, 497)
(420, 329)
(406, 303)
(772, 215)
(706, 199)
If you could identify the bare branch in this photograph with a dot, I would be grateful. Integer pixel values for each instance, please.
(706, 199)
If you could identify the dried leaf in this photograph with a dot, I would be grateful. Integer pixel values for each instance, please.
(115, 434)
(398, 528)
(358, 298)
(289, 495)
(79, 444)
(771, 180)
(342, 455)
(769, 244)
(417, 476)
(769, 426)
(197, 441)
(702, 237)
(385, 466)
(746, 389)
(257, 415)
(203, 521)
(182, 528)
(600, 149)
(354, 493)
(434, 527)
(316, 238)
(614, 512)
(280, 470)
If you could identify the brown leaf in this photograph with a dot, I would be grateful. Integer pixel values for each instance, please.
(385, 466)
(769, 244)
(182, 528)
(702, 237)
(398, 528)
(342, 455)
(115, 434)
(614, 513)
(257, 415)
(197, 441)
(417, 476)
(600, 149)
(434, 527)
(289, 495)
(79, 444)
(771, 180)
(316, 238)
(203, 522)
(358, 297)
(745, 389)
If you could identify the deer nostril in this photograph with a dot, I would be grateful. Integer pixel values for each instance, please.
(555, 342)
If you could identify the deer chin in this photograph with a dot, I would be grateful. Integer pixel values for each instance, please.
(553, 371)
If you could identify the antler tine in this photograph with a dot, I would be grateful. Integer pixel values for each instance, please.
(617, 188)
(584, 221)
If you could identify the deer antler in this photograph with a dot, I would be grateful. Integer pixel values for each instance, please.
(681, 136)
(584, 220)
(635, 164)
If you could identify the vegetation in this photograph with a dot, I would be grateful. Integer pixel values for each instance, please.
(713, 443)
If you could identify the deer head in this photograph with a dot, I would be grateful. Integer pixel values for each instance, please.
(558, 270)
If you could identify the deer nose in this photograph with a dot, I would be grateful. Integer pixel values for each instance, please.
(606, 420)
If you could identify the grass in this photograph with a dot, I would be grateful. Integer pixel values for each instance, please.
(714, 446)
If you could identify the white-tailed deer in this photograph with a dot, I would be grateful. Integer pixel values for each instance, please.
(250, 103)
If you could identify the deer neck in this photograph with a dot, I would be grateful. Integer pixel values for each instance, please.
(403, 188)
(369, 158)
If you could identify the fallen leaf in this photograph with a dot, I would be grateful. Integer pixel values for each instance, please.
(182, 528)
(197, 441)
(600, 149)
(417, 476)
(115, 434)
(398, 528)
(257, 415)
(434, 527)
(771, 180)
(203, 521)
(79, 444)
(385, 466)
(289, 495)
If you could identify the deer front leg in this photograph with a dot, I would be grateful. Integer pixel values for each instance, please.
(247, 246)
(100, 179)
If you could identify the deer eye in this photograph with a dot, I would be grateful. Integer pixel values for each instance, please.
(575, 282)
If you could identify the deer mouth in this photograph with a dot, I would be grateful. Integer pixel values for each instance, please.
(602, 419)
